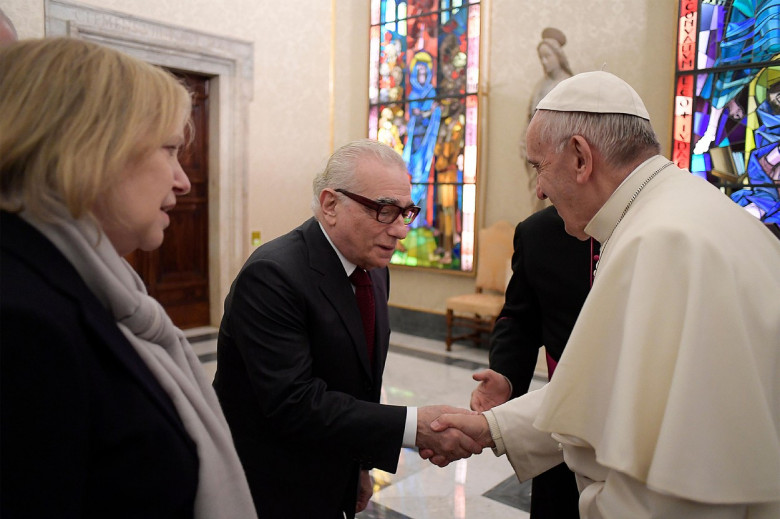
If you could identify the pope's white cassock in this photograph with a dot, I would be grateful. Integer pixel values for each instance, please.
(666, 402)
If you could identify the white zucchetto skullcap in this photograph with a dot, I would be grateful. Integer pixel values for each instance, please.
(594, 92)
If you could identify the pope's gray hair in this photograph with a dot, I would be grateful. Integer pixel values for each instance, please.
(342, 165)
(620, 138)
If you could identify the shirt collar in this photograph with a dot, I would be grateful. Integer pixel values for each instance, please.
(349, 267)
(603, 222)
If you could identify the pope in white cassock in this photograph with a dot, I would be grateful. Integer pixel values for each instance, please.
(666, 402)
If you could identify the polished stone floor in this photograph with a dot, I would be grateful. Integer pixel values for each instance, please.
(419, 372)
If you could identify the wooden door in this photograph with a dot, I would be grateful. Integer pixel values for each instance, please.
(177, 274)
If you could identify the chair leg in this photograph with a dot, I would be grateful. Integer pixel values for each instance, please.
(476, 338)
(448, 340)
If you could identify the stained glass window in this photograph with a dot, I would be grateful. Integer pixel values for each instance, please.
(727, 99)
(423, 86)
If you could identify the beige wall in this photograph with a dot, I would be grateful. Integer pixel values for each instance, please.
(294, 120)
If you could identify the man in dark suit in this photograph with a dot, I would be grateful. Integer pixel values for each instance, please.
(551, 274)
(299, 371)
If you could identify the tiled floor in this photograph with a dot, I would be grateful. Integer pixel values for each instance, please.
(419, 372)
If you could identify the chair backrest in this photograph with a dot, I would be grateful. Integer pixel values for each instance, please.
(494, 260)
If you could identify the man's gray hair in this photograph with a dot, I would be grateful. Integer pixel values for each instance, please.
(342, 165)
(620, 138)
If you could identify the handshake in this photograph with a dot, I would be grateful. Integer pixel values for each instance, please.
(446, 434)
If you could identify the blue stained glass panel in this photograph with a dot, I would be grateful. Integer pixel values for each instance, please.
(734, 140)
(426, 62)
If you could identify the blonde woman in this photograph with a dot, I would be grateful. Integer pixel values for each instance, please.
(105, 409)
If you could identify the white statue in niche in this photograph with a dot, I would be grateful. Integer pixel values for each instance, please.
(556, 69)
(554, 62)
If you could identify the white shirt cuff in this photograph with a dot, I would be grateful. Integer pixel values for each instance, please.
(410, 429)
(495, 433)
(511, 389)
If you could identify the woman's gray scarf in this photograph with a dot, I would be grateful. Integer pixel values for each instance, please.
(222, 488)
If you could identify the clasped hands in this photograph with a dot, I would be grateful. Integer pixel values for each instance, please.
(446, 434)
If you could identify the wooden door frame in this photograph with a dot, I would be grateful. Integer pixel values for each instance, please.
(229, 63)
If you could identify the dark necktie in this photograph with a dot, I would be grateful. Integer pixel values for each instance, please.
(365, 301)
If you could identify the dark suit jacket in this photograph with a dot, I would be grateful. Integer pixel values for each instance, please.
(87, 431)
(549, 284)
(295, 382)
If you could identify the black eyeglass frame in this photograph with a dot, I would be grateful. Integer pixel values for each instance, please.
(409, 213)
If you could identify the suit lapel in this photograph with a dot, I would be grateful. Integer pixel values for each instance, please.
(336, 288)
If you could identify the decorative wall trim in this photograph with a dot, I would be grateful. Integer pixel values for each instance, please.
(230, 63)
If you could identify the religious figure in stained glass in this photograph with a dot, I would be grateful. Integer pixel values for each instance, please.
(422, 130)
(423, 103)
(750, 34)
(391, 75)
(449, 148)
(763, 168)
(726, 126)
(391, 127)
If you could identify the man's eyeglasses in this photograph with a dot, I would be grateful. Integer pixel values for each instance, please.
(385, 213)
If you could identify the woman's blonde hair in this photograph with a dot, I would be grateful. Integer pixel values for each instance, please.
(73, 115)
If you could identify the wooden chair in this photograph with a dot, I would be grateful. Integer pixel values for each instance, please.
(478, 311)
